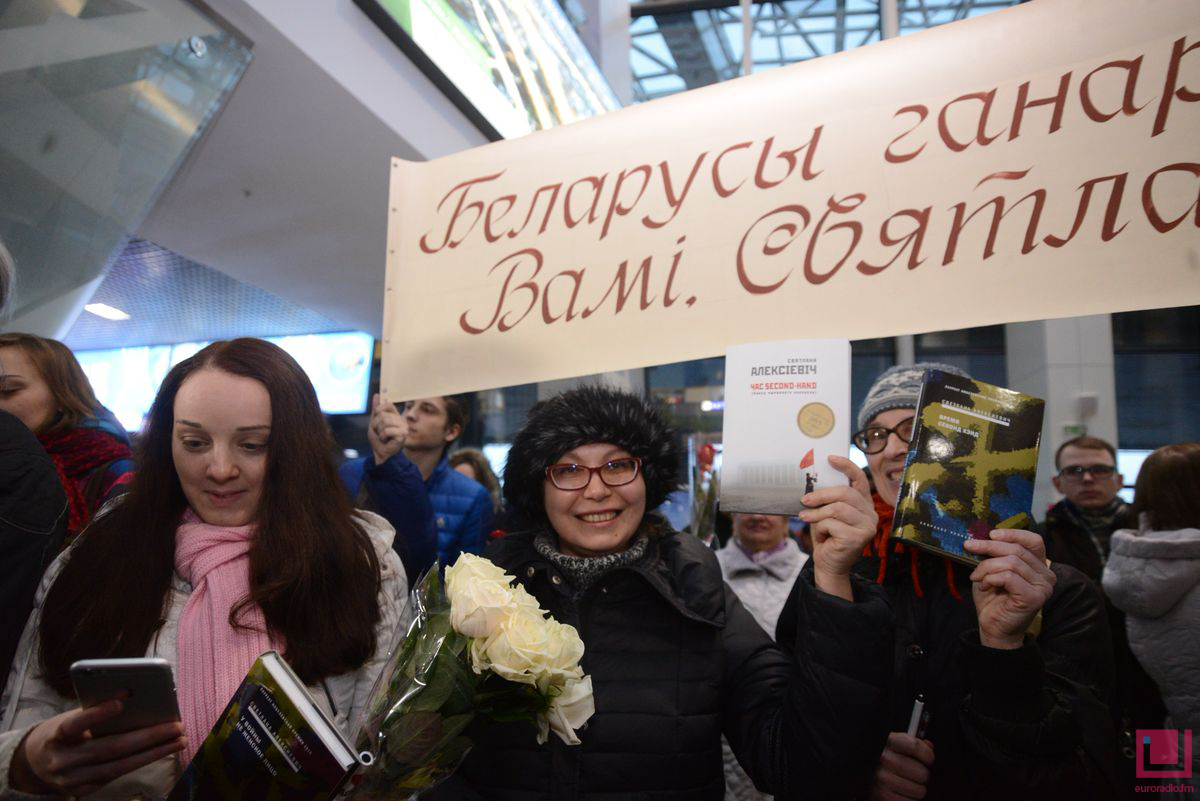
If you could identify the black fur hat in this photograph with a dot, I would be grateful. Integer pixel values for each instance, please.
(583, 416)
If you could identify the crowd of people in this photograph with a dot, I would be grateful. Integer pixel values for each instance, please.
(773, 665)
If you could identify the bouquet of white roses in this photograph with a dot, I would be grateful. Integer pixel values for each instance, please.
(482, 647)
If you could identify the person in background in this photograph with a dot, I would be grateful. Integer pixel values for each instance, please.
(760, 562)
(1077, 530)
(674, 659)
(474, 465)
(391, 485)
(43, 386)
(1153, 574)
(33, 507)
(233, 539)
(1012, 658)
(462, 508)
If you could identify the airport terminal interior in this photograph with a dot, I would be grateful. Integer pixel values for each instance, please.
(176, 173)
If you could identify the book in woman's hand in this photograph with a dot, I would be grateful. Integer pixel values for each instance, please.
(971, 464)
(271, 742)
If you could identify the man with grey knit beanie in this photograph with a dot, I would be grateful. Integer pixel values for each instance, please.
(1013, 698)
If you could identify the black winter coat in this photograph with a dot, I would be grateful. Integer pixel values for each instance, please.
(676, 661)
(1030, 723)
(1135, 702)
(33, 522)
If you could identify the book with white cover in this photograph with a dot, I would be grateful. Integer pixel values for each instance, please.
(787, 408)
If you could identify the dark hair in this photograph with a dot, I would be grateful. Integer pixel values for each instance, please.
(1085, 443)
(583, 416)
(313, 570)
(483, 472)
(63, 376)
(458, 411)
(1166, 487)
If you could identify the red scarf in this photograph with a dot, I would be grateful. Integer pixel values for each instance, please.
(76, 453)
(878, 547)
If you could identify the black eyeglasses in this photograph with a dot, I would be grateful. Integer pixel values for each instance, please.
(873, 439)
(1097, 471)
(614, 473)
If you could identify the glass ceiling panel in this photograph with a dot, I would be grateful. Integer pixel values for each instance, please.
(680, 45)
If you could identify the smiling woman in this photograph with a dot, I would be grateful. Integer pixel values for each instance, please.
(222, 424)
(674, 658)
(235, 538)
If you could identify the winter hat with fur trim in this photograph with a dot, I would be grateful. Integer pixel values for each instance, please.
(583, 416)
(898, 388)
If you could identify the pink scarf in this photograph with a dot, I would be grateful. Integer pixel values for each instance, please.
(213, 656)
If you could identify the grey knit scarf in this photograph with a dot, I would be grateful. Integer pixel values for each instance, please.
(583, 571)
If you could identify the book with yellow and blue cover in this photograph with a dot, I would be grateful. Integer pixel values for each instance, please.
(971, 465)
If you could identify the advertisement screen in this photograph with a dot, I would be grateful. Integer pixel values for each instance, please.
(126, 380)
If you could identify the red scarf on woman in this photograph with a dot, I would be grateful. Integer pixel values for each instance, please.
(76, 453)
(878, 547)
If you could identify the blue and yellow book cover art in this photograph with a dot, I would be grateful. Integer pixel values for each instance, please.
(971, 464)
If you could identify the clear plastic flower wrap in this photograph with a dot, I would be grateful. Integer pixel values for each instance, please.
(479, 646)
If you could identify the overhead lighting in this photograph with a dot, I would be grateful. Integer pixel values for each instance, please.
(106, 311)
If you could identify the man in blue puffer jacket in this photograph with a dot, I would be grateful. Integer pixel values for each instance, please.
(462, 508)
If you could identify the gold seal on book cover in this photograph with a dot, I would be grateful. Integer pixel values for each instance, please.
(815, 419)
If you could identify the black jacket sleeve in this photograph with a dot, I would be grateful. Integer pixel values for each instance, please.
(809, 720)
(1036, 715)
(33, 522)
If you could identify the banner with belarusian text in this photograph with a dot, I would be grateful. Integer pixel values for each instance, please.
(1033, 163)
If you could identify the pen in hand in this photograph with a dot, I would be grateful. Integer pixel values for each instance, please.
(916, 722)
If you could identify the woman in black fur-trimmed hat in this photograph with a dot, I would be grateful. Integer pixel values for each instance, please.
(581, 417)
(675, 660)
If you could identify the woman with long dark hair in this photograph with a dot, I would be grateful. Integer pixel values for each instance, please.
(235, 538)
(42, 384)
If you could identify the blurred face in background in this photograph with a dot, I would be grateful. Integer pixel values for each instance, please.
(24, 393)
(759, 532)
(429, 426)
(468, 471)
(219, 445)
(1082, 487)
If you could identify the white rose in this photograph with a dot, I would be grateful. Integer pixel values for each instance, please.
(480, 596)
(521, 597)
(563, 652)
(569, 710)
(521, 649)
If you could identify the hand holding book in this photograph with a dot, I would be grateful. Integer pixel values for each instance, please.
(1009, 586)
(842, 521)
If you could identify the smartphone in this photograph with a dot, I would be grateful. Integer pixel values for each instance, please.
(145, 687)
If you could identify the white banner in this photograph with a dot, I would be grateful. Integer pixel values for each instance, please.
(1038, 162)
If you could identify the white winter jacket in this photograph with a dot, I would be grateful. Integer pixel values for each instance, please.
(1154, 577)
(28, 700)
(762, 582)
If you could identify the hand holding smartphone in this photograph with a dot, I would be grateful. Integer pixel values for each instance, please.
(145, 687)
